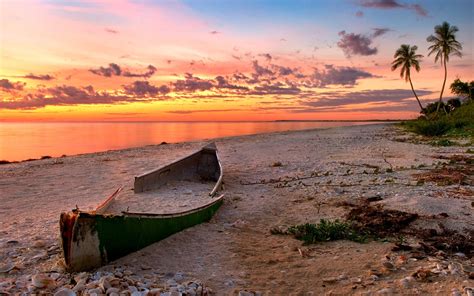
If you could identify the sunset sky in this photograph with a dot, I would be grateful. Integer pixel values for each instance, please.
(220, 60)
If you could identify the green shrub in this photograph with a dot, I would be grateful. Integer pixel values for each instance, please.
(432, 128)
(444, 143)
(461, 123)
(325, 231)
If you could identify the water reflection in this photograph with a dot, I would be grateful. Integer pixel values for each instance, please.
(19, 141)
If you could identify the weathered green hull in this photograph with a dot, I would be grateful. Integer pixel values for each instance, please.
(109, 237)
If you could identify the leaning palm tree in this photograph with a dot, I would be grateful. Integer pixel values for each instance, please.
(444, 44)
(405, 58)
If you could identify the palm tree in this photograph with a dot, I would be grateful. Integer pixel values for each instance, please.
(444, 44)
(406, 57)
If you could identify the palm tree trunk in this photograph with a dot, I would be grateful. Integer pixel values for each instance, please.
(444, 82)
(413, 90)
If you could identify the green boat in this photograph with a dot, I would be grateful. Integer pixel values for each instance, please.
(164, 201)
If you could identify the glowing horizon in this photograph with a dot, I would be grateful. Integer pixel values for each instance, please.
(227, 61)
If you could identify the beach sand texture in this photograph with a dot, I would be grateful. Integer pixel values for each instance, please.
(235, 250)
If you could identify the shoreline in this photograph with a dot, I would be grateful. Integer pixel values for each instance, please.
(236, 251)
(5, 161)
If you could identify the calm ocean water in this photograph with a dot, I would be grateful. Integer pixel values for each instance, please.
(19, 141)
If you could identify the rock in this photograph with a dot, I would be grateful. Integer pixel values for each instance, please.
(53, 248)
(39, 244)
(81, 276)
(385, 291)
(374, 277)
(96, 291)
(389, 265)
(405, 283)
(469, 291)
(181, 288)
(65, 292)
(40, 256)
(245, 293)
(6, 267)
(80, 285)
(277, 164)
(42, 281)
(342, 277)
(179, 276)
(112, 290)
(192, 285)
(104, 283)
(171, 283)
(92, 285)
(55, 275)
(455, 292)
(330, 280)
(154, 292)
(454, 268)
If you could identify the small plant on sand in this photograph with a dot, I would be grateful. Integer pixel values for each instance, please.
(444, 143)
(325, 231)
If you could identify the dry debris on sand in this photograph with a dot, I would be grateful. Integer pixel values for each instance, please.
(271, 180)
(379, 221)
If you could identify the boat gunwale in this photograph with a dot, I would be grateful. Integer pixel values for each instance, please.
(151, 215)
(221, 175)
(176, 214)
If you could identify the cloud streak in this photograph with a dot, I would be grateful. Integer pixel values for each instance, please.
(115, 70)
(39, 77)
(393, 4)
(8, 86)
(112, 70)
(346, 76)
(356, 44)
(334, 99)
(64, 95)
(145, 89)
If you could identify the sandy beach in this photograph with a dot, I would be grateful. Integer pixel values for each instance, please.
(235, 252)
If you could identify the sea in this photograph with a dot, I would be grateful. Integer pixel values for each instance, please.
(21, 141)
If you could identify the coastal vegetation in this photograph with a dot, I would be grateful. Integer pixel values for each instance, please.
(405, 59)
(323, 231)
(444, 44)
(456, 116)
(457, 121)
